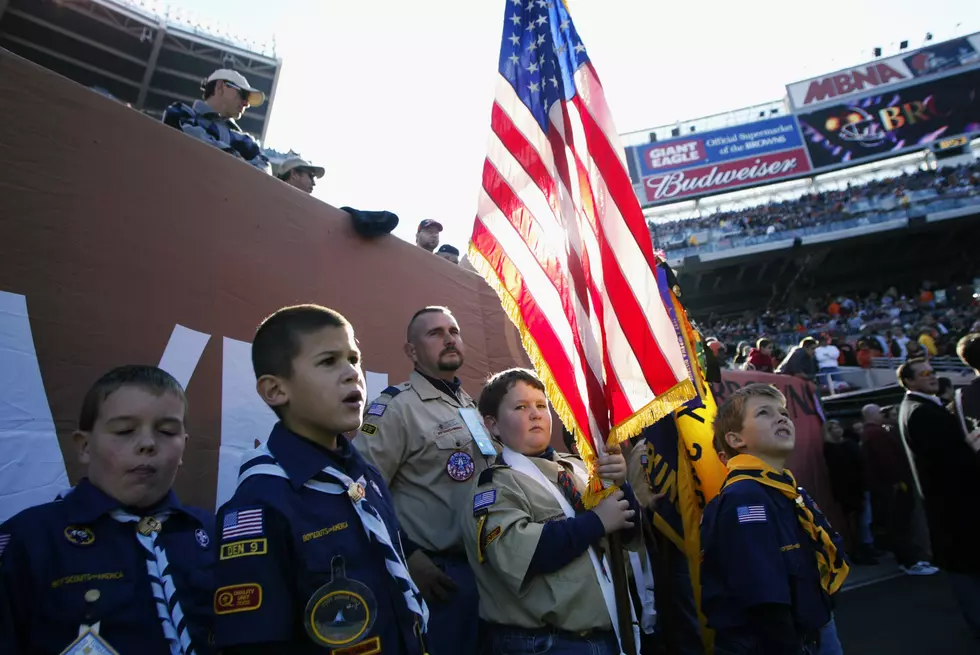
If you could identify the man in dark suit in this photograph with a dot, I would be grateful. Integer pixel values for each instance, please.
(946, 468)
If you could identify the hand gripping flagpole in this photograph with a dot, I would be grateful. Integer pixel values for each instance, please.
(617, 562)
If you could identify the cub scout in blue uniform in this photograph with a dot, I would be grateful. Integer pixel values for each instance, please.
(118, 565)
(770, 560)
(310, 558)
(544, 584)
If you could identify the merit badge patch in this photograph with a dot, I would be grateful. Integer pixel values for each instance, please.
(377, 409)
(460, 466)
(242, 523)
(751, 514)
(79, 536)
(367, 428)
(484, 499)
(238, 598)
(203, 540)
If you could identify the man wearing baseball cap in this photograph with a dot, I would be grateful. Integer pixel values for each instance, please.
(427, 236)
(227, 94)
(299, 173)
(449, 253)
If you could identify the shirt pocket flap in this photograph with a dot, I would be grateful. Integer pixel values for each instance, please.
(452, 435)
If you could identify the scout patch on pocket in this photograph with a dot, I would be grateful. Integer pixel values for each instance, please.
(238, 598)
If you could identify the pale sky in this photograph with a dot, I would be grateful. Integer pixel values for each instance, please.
(393, 98)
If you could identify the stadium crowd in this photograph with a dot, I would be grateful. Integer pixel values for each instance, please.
(925, 324)
(815, 208)
(520, 563)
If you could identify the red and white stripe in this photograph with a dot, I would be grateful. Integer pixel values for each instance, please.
(562, 233)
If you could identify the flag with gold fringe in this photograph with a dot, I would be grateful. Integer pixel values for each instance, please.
(560, 236)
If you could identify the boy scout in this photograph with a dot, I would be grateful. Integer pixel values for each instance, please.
(118, 564)
(310, 558)
(427, 440)
(544, 584)
(770, 561)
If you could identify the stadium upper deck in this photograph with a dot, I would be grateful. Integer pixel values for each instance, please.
(136, 52)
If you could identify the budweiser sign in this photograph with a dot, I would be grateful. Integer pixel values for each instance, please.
(726, 176)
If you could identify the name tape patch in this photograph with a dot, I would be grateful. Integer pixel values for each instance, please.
(242, 523)
(484, 499)
(244, 548)
(238, 598)
(751, 514)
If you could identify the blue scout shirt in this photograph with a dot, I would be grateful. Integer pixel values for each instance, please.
(755, 552)
(278, 543)
(69, 562)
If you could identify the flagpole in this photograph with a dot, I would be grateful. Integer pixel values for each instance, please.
(624, 615)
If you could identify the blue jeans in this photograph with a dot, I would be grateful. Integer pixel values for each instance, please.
(829, 641)
(454, 626)
(511, 640)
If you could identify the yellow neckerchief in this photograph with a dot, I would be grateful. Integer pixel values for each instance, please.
(832, 567)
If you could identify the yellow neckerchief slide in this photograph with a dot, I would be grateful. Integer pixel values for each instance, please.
(832, 567)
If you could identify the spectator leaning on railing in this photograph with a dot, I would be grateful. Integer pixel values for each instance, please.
(300, 174)
(227, 94)
(800, 362)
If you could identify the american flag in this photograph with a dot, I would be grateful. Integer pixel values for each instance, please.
(4, 540)
(242, 523)
(560, 236)
(751, 514)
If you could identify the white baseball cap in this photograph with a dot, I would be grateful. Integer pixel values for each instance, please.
(236, 79)
(299, 162)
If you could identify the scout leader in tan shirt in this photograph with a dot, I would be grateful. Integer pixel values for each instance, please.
(420, 435)
(537, 552)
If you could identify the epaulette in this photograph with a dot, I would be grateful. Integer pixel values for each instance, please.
(486, 476)
(396, 389)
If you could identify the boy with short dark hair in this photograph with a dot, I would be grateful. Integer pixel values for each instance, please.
(536, 551)
(117, 562)
(770, 560)
(310, 557)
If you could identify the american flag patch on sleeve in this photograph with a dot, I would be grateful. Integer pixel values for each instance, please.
(4, 540)
(242, 523)
(751, 514)
(484, 499)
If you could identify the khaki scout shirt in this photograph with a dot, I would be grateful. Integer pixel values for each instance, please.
(569, 599)
(411, 442)
(638, 476)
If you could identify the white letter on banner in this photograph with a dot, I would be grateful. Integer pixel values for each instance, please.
(183, 352)
(30, 456)
(245, 418)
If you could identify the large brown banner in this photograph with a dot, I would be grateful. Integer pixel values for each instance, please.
(125, 241)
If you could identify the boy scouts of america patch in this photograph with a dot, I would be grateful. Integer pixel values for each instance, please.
(460, 466)
(377, 409)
